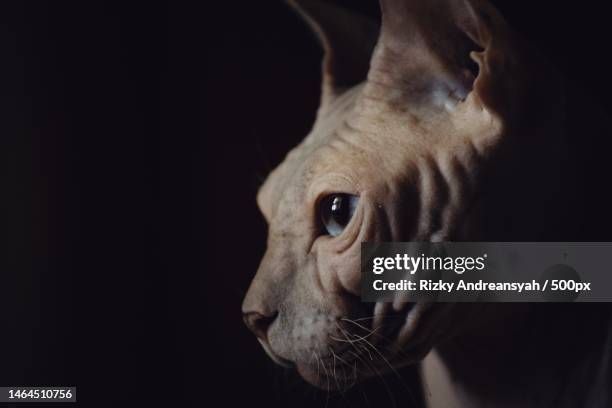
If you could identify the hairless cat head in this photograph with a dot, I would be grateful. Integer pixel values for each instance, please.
(425, 132)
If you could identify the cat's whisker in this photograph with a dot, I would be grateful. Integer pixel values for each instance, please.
(358, 342)
(327, 378)
(317, 360)
(383, 357)
(334, 369)
(378, 335)
(354, 343)
(410, 391)
(382, 380)
(359, 325)
(342, 340)
(366, 350)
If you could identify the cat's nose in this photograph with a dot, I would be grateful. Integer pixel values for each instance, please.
(259, 323)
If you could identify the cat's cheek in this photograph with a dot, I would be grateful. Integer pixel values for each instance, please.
(348, 263)
(346, 268)
(350, 277)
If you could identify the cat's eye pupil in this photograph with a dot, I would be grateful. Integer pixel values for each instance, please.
(340, 210)
(336, 212)
(336, 203)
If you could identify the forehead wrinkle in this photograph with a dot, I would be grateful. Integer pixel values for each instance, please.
(330, 117)
(342, 141)
(286, 192)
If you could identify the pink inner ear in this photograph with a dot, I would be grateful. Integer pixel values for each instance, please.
(431, 43)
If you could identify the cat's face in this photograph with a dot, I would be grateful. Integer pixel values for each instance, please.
(344, 185)
(397, 157)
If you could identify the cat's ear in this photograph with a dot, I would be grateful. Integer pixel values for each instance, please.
(443, 52)
(347, 38)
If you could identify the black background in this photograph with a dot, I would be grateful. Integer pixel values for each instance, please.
(134, 137)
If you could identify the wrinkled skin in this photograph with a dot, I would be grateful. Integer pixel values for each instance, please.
(421, 128)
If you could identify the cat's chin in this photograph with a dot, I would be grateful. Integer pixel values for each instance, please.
(324, 379)
(310, 375)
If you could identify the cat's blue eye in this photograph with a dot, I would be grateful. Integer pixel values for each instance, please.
(336, 211)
